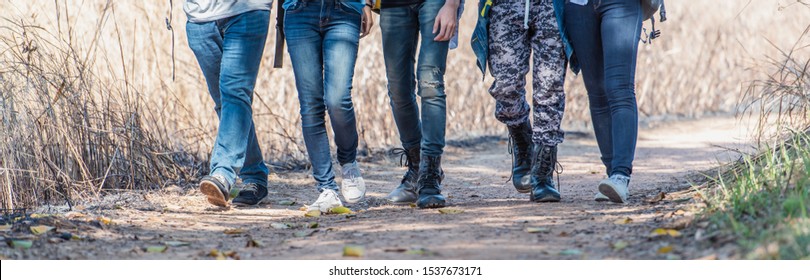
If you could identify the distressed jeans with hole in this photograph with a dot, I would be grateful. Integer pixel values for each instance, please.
(401, 29)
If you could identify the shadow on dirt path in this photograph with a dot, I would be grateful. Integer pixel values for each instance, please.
(496, 222)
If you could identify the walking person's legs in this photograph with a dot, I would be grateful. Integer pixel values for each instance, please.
(229, 53)
(548, 79)
(509, 52)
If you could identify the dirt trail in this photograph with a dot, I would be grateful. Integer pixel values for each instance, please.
(493, 224)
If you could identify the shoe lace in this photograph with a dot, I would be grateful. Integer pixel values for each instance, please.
(552, 160)
(404, 160)
(250, 187)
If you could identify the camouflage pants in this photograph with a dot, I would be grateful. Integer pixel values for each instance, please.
(510, 48)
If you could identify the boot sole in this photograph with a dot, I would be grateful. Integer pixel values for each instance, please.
(214, 195)
(434, 203)
(548, 199)
(611, 193)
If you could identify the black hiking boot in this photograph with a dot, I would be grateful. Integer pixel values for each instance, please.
(216, 189)
(251, 194)
(430, 183)
(544, 162)
(521, 149)
(405, 193)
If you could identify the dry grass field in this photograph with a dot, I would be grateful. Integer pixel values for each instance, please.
(100, 94)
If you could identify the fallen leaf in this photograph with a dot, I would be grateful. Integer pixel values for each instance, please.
(39, 230)
(302, 208)
(21, 244)
(395, 250)
(253, 243)
(176, 243)
(571, 252)
(421, 252)
(450, 211)
(104, 220)
(537, 230)
(353, 251)
(679, 212)
(216, 254)
(74, 215)
(711, 257)
(5, 228)
(39, 216)
(156, 249)
(305, 233)
(619, 245)
(313, 225)
(657, 198)
(234, 231)
(55, 240)
(673, 233)
(232, 255)
(665, 249)
(412, 205)
(340, 210)
(665, 231)
(563, 234)
(279, 225)
(286, 202)
(623, 221)
(313, 213)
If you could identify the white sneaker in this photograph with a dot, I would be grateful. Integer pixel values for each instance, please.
(600, 197)
(326, 201)
(615, 188)
(353, 187)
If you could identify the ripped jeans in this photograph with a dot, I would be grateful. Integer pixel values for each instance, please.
(401, 28)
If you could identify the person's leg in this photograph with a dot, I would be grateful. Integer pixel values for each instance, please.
(509, 54)
(584, 31)
(430, 70)
(548, 79)
(243, 44)
(340, 43)
(304, 37)
(205, 40)
(621, 22)
(400, 34)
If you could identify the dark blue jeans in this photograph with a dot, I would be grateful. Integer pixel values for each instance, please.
(605, 36)
(229, 52)
(323, 37)
(401, 28)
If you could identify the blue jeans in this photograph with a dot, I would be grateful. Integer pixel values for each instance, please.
(229, 52)
(401, 28)
(323, 37)
(605, 35)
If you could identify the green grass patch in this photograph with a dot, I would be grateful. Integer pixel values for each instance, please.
(763, 202)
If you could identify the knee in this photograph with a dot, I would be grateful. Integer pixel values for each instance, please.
(431, 82)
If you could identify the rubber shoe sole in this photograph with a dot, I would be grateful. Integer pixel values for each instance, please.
(213, 193)
(610, 192)
(433, 201)
(525, 185)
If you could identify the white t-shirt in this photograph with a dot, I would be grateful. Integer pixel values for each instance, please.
(210, 10)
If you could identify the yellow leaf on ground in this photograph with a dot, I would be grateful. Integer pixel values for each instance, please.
(104, 220)
(216, 254)
(340, 210)
(537, 230)
(286, 202)
(313, 213)
(156, 249)
(353, 251)
(673, 233)
(665, 249)
(39, 216)
(5, 228)
(623, 221)
(38, 230)
(619, 245)
(313, 225)
(234, 231)
(253, 243)
(659, 232)
(450, 211)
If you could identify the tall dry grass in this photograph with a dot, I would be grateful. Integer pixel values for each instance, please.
(119, 107)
